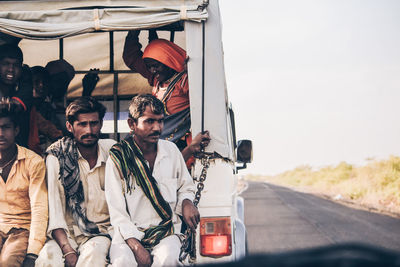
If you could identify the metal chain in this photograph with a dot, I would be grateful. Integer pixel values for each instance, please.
(205, 161)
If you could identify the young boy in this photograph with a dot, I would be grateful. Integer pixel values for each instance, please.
(23, 195)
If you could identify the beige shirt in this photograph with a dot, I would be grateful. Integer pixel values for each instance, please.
(60, 215)
(132, 212)
(23, 198)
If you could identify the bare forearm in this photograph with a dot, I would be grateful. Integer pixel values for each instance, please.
(186, 153)
(133, 243)
(132, 55)
(60, 236)
(142, 256)
(69, 253)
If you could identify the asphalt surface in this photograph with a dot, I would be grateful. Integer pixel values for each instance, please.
(279, 219)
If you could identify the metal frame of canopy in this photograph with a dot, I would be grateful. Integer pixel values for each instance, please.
(116, 97)
(208, 97)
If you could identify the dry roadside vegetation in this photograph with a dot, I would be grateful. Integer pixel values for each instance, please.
(375, 185)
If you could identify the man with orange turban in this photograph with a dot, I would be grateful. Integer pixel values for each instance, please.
(163, 63)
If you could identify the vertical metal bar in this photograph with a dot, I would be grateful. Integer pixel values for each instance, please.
(111, 51)
(202, 74)
(115, 106)
(115, 86)
(61, 48)
(172, 36)
(61, 56)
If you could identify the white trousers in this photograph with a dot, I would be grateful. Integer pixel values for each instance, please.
(93, 252)
(166, 253)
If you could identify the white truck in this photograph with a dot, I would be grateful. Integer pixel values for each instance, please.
(90, 34)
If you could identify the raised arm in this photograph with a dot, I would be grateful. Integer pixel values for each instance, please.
(90, 81)
(132, 55)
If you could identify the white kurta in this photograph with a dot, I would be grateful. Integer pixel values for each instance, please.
(93, 251)
(132, 212)
(93, 183)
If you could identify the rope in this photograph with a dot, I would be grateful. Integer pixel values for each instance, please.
(96, 19)
(183, 13)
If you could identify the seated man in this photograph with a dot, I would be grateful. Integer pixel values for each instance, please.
(23, 198)
(147, 187)
(16, 83)
(79, 222)
(163, 63)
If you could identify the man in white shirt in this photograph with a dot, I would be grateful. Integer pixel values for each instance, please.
(79, 221)
(147, 187)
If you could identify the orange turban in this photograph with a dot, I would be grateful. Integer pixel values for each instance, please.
(167, 53)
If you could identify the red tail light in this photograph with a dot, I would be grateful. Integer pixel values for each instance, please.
(215, 237)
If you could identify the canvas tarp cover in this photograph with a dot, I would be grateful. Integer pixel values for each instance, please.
(59, 19)
(216, 117)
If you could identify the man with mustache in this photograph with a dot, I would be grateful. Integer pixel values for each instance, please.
(79, 221)
(156, 187)
(23, 198)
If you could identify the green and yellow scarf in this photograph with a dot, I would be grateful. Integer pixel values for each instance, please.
(129, 160)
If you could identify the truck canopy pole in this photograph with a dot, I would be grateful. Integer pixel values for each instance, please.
(202, 74)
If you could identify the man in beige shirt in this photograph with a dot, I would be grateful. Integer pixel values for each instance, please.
(23, 195)
(79, 221)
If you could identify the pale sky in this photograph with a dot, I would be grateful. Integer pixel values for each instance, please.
(314, 82)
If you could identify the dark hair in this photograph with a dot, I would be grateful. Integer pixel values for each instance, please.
(11, 51)
(39, 70)
(10, 109)
(140, 102)
(41, 73)
(85, 104)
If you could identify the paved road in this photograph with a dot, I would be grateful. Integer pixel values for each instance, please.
(280, 219)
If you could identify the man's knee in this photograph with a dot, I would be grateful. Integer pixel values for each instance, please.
(50, 255)
(94, 251)
(166, 253)
(98, 245)
(122, 256)
(14, 248)
(11, 260)
(123, 262)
